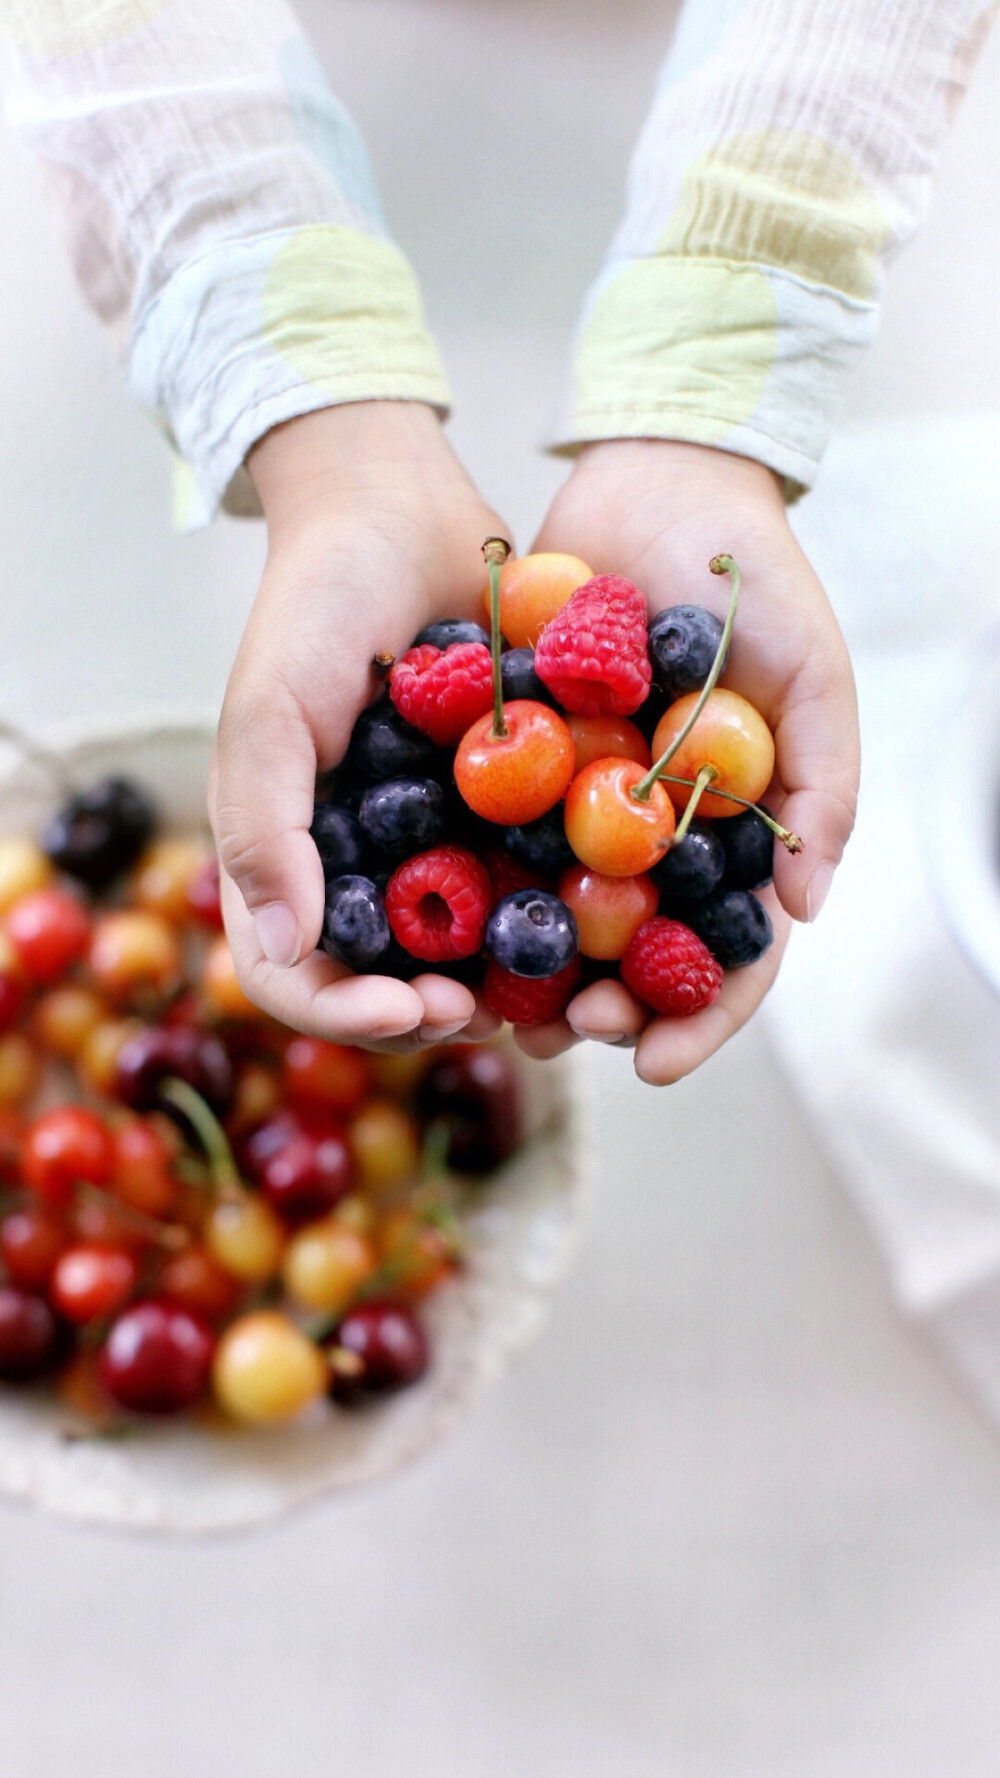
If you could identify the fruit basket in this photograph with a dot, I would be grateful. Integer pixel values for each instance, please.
(200, 1475)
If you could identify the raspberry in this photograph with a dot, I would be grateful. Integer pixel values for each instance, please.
(529, 1002)
(592, 654)
(438, 904)
(441, 692)
(506, 875)
(669, 969)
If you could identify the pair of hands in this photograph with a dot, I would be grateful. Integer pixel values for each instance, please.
(374, 531)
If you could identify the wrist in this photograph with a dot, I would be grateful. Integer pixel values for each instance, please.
(687, 468)
(342, 451)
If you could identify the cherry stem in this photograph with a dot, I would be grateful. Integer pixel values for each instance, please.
(718, 565)
(172, 1235)
(209, 1131)
(789, 840)
(496, 550)
(701, 784)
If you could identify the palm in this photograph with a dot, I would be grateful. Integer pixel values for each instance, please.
(658, 512)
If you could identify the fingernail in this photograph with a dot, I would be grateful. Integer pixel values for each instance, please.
(437, 1033)
(598, 1036)
(278, 934)
(818, 889)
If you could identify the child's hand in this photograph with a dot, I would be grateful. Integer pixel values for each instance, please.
(374, 530)
(657, 512)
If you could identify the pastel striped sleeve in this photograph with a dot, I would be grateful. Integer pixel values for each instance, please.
(222, 213)
(789, 153)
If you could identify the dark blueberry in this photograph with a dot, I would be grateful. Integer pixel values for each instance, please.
(343, 787)
(682, 646)
(355, 924)
(532, 933)
(404, 815)
(465, 827)
(734, 926)
(692, 869)
(749, 849)
(384, 746)
(100, 831)
(541, 845)
(402, 964)
(452, 629)
(339, 840)
(519, 679)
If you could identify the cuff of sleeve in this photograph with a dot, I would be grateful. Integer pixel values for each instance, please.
(259, 331)
(746, 358)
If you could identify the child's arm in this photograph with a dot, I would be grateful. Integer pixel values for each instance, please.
(788, 153)
(222, 213)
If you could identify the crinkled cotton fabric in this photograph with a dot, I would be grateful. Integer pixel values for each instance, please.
(223, 213)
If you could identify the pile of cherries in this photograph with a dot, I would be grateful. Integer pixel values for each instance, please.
(568, 796)
(198, 1206)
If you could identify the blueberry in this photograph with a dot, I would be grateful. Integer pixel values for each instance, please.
(452, 629)
(339, 840)
(532, 933)
(682, 646)
(650, 711)
(519, 679)
(734, 926)
(384, 746)
(355, 925)
(403, 815)
(692, 869)
(467, 970)
(541, 845)
(100, 831)
(343, 787)
(749, 849)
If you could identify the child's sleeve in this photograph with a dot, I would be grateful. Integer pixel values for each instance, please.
(788, 154)
(222, 212)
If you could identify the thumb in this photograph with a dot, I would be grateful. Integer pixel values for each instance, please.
(261, 806)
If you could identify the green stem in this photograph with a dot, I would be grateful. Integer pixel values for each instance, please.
(496, 550)
(701, 784)
(789, 840)
(718, 565)
(207, 1128)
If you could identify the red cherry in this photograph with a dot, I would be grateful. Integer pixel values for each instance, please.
(194, 1280)
(607, 910)
(388, 1346)
(63, 1147)
(89, 1281)
(611, 831)
(203, 894)
(32, 1341)
(157, 1358)
(607, 737)
(518, 776)
(31, 1240)
(49, 930)
(325, 1076)
(303, 1168)
(141, 1173)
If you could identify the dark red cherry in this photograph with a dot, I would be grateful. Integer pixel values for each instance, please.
(379, 1346)
(33, 1342)
(157, 1358)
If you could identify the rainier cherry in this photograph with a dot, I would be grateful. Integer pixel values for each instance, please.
(608, 910)
(532, 589)
(731, 737)
(608, 828)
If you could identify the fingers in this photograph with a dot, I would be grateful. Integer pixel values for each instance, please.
(608, 1013)
(671, 1048)
(819, 761)
(261, 806)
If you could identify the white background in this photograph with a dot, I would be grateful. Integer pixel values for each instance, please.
(731, 1519)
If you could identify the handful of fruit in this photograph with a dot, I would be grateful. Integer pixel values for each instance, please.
(519, 808)
(196, 1203)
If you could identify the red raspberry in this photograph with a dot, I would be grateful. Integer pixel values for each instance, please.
(506, 875)
(441, 692)
(529, 1002)
(438, 903)
(669, 969)
(593, 654)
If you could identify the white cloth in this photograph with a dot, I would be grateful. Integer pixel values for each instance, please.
(890, 1034)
